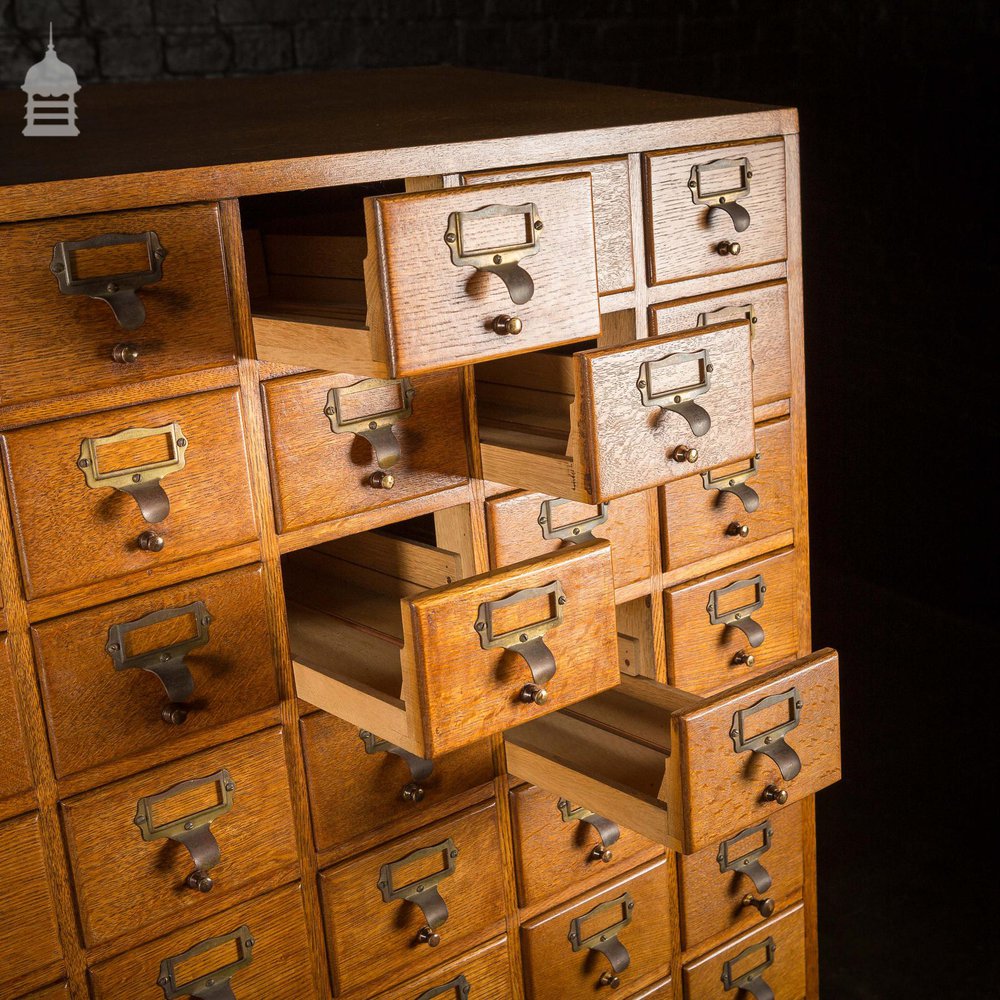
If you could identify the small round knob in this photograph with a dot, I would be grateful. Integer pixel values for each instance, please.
(736, 529)
(413, 792)
(534, 693)
(600, 853)
(382, 480)
(728, 248)
(125, 354)
(765, 907)
(775, 794)
(682, 453)
(748, 659)
(609, 979)
(174, 714)
(150, 541)
(199, 880)
(426, 936)
(504, 325)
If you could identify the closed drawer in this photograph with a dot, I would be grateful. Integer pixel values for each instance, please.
(689, 772)
(726, 628)
(29, 944)
(725, 509)
(242, 838)
(774, 954)
(558, 845)
(276, 965)
(193, 490)
(324, 451)
(58, 991)
(714, 209)
(663, 990)
(735, 884)
(15, 774)
(170, 316)
(565, 956)
(594, 425)
(358, 783)
(138, 675)
(383, 910)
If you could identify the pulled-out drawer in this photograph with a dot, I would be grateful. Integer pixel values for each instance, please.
(685, 771)
(15, 774)
(599, 423)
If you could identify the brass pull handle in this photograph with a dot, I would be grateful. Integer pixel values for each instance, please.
(741, 617)
(420, 769)
(771, 742)
(765, 907)
(738, 530)
(381, 480)
(575, 531)
(728, 248)
(748, 863)
(772, 793)
(703, 192)
(605, 941)
(125, 354)
(678, 399)
(375, 427)
(505, 326)
(459, 987)
(682, 453)
(424, 892)
(214, 985)
(736, 484)
(150, 541)
(752, 980)
(607, 829)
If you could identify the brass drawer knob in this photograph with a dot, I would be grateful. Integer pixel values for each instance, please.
(174, 715)
(775, 794)
(601, 853)
(505, 325)
(150, 541)
(609, 979)
(745, 658)
(125, 354)
(765, 907)
(682, 453)
(736, 529)
(413, 792)
(426, 936)
(728, 248)
(534, 694)
(382, 480)
(199, 880)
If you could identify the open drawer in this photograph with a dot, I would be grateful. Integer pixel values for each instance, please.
(428, 280)
(386, 635)
(687, 771)
(600, 423)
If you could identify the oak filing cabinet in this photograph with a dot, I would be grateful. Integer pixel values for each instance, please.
(404, 555)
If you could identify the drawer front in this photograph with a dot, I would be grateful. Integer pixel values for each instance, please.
(767, 308)
(522, 525)
(442, 305)
(319, 474)
(353, 792)
(705, 656)
(276, 966)
(553, 969)
(686, 236)
(29, 942)
(705, 516)
(730, 886)
(663, 990)
(67, 342)
(58, 991)
(15, 774)
(372, 941)
(612, 212)
(558, 845)
(124, 881)
(777, 950)
(137, 675)
(210, 505)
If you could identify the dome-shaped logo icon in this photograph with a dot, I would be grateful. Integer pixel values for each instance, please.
(51, 86)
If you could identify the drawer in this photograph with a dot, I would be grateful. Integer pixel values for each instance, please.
(596, 424)
(276, 965)
(766, 308)
(432, 670)
(138, 675)
(15, 774)
(414, 903)
(774, 954)
(170, 316)
(328, 462)
(452, 276)
(558, 846)
(727, 628)
(242, 836)
(725, 509)
(358, 783)
(663, 990)
(714, 209)
(522, 524)
(30, 954)
(618, 937)
(193, 494)
(686, 771)
(58, 991)
(612, 212)
(732, 886)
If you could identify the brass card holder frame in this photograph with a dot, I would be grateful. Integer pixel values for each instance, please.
(459, 987)
(736, 483)
(605, 941)
(141, 482)
(679, 399)
(375, 428)
(607, 829)
(751, 980)
(575, 532)
(729, 314)
(742, 617)
(424, 892)
(726, 201)
(118, 290)
(748, 863)
(215, 985)
(503, 261)
(420, 768)
(771, 743)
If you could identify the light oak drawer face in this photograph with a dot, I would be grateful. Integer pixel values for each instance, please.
(379, 924)
(558, 845)
(730, 627)
(732, 886)
(29, 944)
(353, 791)
(15, 774)
(726, 509)
(612, 212)
(324, 451)
(174, 324)
(56, 992)
(175, 470)
(663, 990)
(565, 957)
(277, 965)
(137, 675)
(124, 881)
(774, 954)
(690, 233)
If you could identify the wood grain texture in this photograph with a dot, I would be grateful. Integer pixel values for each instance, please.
(124, 883)
(58, 991)
(663, 990)
(373, 943)
(681, 241)
(96, 714)
(553, 969)
(210, 502)
(15, 772)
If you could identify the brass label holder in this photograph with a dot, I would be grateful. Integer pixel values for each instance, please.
(214, 985)
(503, 261)
(606, 940)
(141, 482)
(736, 483)
(679, 399)
(375, 428)
(420, 768)
(423, 892)
(728, 200)
(748, 863)
(118, 290)
(752, 980)
(607, 829)
(581, 531)
(728, 314)
(741, 617)
(771, 743)
(460, 987)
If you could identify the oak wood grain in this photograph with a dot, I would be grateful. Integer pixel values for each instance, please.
(663, 990)
(58, 991)
(15, 772)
